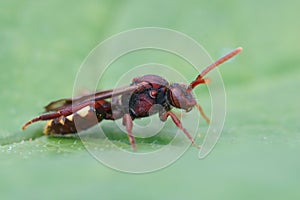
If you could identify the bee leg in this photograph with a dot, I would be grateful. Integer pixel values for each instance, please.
(177, 122)
(127, 122)
(63, 112)
(202, 113)
(41, 118)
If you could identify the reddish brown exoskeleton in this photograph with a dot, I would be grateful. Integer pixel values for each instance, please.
(128, 103)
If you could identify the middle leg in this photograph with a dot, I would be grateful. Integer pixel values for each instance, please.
(127, 122)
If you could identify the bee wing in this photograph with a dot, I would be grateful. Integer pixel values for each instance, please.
(63, 103)
(58, 104)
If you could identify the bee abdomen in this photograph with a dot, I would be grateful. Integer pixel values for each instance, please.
(78, 121)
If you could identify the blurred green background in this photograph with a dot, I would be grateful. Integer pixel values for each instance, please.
(43, 43)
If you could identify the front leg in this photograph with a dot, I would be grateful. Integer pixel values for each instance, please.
(163, 117)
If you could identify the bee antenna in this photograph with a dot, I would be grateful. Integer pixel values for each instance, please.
(201, 80)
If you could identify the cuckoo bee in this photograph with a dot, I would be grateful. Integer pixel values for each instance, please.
(127, 103)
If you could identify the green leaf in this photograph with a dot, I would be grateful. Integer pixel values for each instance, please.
(42, 45)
